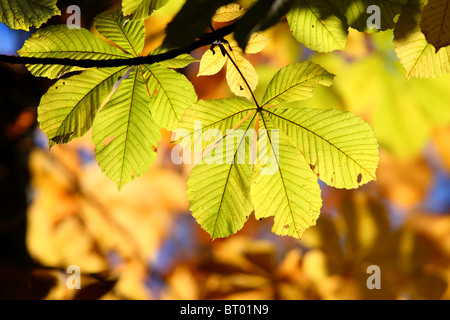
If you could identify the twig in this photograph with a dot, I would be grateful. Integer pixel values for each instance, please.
(207, 39)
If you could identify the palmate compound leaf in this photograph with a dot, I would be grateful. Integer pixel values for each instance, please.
(23, 14)
(133, 105)
(294, 147)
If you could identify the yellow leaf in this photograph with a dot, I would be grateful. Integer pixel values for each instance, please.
(228, 13)
(256, 43)
(211, 63)
(234, 78)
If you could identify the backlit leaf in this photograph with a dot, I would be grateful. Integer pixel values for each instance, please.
(291, 193)
(125, 133)
(128, 34)
(227, 13)
(141, 9)
(171, 93)
(296, 82)
(68, 108)
(58, 41)
(418, 57)
(317, 25)
(23, 14)
(339, 146)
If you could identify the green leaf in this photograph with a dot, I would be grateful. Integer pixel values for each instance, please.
(141, 9)
(69, 107)
(171, 94)
(219, 190)
(128, 34)
(418, 57)
(435, 23)
(318, 25)
(23, 14)
(61, 42)
(125, 134)
(293, 147)
(291, 193)
(296, 82)
(339, 146)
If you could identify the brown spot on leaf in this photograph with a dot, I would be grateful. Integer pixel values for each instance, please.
(359, 178)
(240, 87)
(312, 167)
(155, 92)
(108, 140)
(331, 180)
(286, 226)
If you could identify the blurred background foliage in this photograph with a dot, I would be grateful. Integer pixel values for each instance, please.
(58, 209)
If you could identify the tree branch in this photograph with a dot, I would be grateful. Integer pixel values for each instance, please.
(207, 39)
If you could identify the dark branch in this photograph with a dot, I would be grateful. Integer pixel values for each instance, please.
(207, 39)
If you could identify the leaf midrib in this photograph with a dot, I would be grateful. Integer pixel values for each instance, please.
(228, 175)
(323, 139)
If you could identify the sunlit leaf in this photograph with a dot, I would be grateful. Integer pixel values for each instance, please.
(128, 34)
(171, 93)
(256, 43)
(68, 108)
(234, 78)
(317, 25)
(212, 62)
(296, 82)
(141, 9)
(23, 14)
(125, 133)
(418, 57)
(339, 146)
(61, 42)
(219, 193)
(228, 13)
(291, 193)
